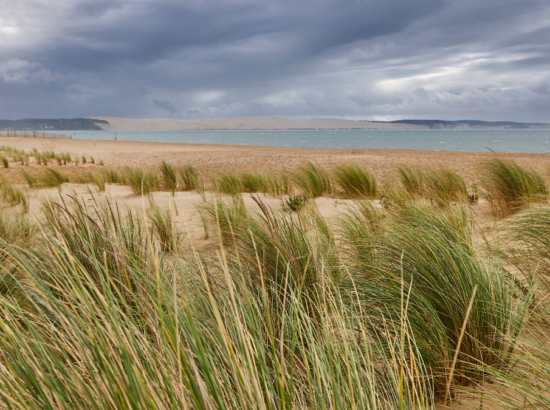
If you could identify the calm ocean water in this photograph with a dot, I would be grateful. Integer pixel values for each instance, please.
(474, 141)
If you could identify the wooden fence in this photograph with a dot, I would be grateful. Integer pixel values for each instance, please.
(33, 134)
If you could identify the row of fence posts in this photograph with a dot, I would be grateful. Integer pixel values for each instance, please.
(33, 134)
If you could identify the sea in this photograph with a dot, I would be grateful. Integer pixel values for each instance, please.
(529, 141)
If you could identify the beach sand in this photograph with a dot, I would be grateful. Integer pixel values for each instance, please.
(210, 159)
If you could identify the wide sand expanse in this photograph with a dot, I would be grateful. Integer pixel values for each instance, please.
(210, 159)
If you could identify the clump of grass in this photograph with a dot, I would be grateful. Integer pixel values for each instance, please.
(169, 176)
(15, 196)
(189, 177)
(113, 177)
(99, 181)
(313, 181)
(31, 180)
(508, 186)
(102, 316)
(428, 254)
(53, 178)
(439, 186)
(280, 185)
(141, 182)
(15, 230)
(254, 182)
(92, 160)
(5, 161)
(167, 232)
(227, 183)
(83, 159)
(355, 182)
(528, 243)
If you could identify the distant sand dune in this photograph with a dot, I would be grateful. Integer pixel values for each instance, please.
(247, 123)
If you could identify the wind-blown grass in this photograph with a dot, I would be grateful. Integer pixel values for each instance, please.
(528, 243)
(439, 186)
(14, 196)
(227, 183)
(313, 181)
(141, 182)
(189, 177)
(169, 176)
(108, 324)
(355, 182)
(167, 232)
(113, 177)
(430, 254)
(53, 178)
(509, 187)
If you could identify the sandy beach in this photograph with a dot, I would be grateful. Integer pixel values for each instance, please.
(211, 159)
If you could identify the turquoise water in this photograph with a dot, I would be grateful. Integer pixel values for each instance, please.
(435, 140)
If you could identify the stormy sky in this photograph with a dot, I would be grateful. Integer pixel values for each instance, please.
(363, 59)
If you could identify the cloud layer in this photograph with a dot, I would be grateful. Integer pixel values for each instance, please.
(373, 59)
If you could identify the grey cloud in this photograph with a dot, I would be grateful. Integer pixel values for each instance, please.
(451, 59)
(166, 106)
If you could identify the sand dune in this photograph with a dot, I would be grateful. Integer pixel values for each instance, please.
(246, 123)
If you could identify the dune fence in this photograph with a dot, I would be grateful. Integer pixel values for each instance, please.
(33, 134)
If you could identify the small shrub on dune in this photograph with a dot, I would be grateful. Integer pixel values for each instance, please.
(355, 182)
(509, 187)
(313, 181)
(295, 203)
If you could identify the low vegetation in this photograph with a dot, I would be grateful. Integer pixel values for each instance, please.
(393, 303)
(509, 187)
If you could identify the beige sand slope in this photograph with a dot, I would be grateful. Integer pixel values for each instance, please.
(246, 123)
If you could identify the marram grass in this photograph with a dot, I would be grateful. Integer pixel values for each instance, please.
(508, 186)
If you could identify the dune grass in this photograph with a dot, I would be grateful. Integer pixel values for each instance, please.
(53, 179)
(105, 309)
(5, 161)
(169, 176)
(355, 182)
(113, 177)
(141, 182)
(313, 181)
(167, 232)
(227, 183)
(181, 339)
(509, 187)
(430, 253)
(438, 185)
(189, 177)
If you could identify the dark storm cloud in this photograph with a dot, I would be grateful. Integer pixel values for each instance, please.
(356, 58)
